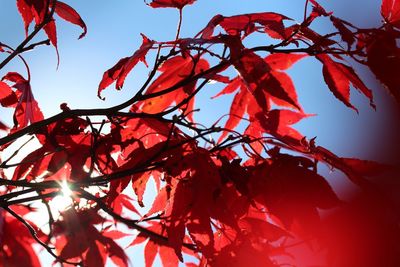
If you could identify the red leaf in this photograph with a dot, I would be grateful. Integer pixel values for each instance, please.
(27, 110)
(345, 33)
(95, 255)
(191, 202)
(255, 132)
(231, 87)
(72, 247)
(150, 252)
(292, 192)
(122, 201)
(138, 240)
(168, 257)
(283, 61)
(237, 111)
(201, 233)
(288, 86)
(139, 183)
(75, 224)
(338, 78)
(26, 13)
(127, 203)
(159, 202)
(384, 60)
(57, 161)
(31, 9)
(115, 252)
(115, 234)
(244, 102)
(171, 3)
(139, 55)
(69, 14)
(318, 10)
(257, 75)
(366, 167)
(208, 31)
(174, 71)
(279, 121)
(7, 96)
(181, 201)
(246, 23)
(124, 66)
(112, 74)
(51, 32)
(17, 241)
(38, 8)
(14, 77)
(390, 11)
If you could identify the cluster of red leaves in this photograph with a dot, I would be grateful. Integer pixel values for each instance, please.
(41, 12)
(211, 203)
(26, 108)
(16, 241)
(77, 236)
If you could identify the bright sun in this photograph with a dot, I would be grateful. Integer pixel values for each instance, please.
(63, 201)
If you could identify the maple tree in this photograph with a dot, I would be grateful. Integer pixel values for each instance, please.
(225, 196)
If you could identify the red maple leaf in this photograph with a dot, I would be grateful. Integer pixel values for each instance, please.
(339, 76)
(156, 245)
(36, 9)
(27, 109)
(69, 14)
(246, 24)
(124, 66)
(77, 237)
(171, 3)
(390, 11)
(174, 71)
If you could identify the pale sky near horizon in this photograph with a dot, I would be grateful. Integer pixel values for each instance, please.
(114, 29)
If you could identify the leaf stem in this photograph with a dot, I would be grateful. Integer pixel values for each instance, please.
(178, 30)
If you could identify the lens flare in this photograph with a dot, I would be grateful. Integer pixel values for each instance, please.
(63, 201)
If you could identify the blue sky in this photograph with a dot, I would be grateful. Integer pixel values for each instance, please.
(114, 29)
